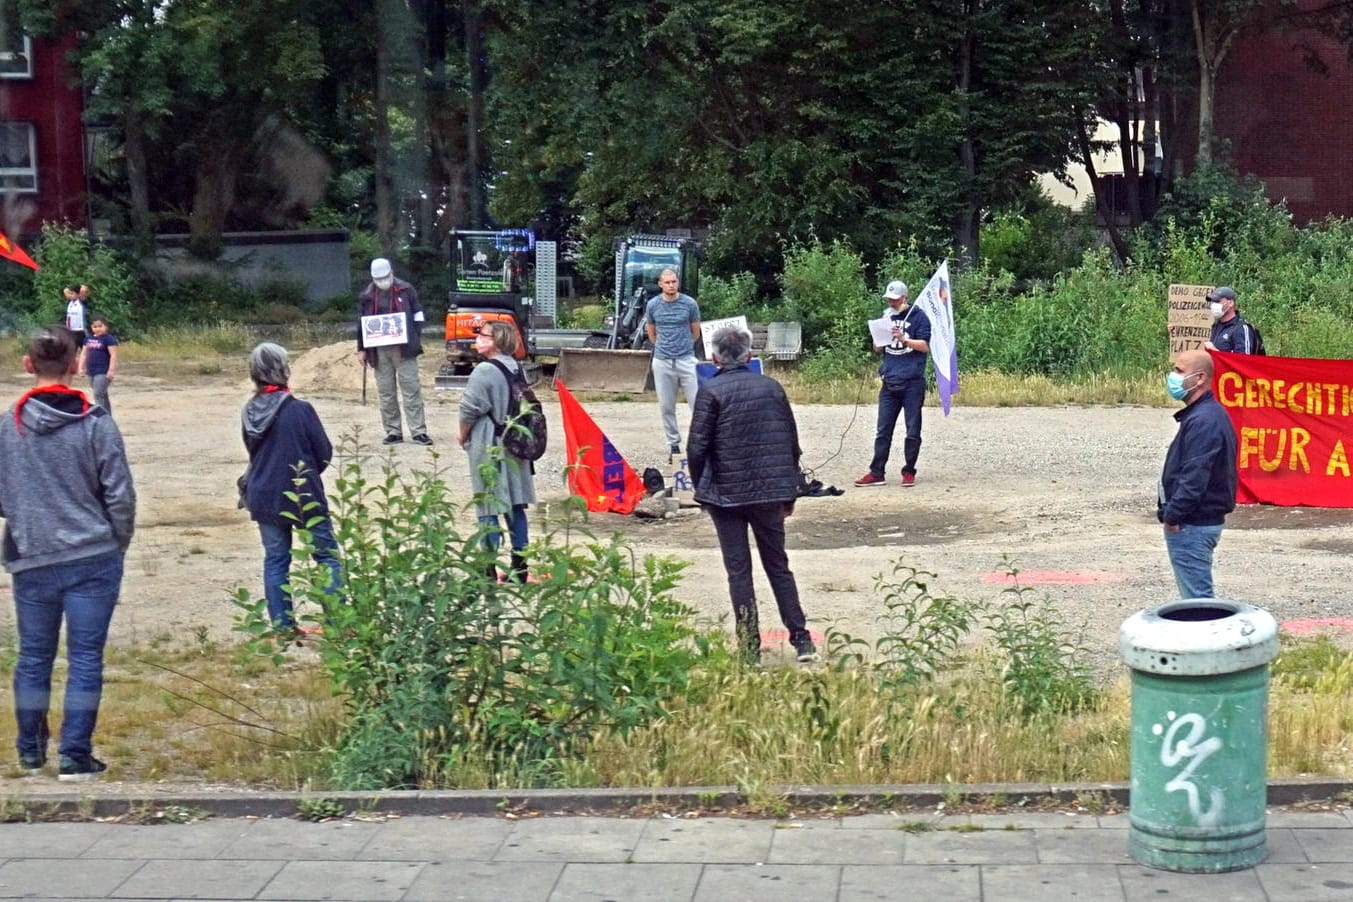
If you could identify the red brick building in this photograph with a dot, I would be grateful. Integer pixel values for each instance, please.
(1288, 123)
(42, 161)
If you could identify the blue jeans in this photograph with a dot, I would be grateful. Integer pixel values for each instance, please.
(907, 398)
(516, 529)
(85, 592)
(1190, 552)
(277, 565)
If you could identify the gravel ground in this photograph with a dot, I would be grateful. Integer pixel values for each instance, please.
(1066, 494)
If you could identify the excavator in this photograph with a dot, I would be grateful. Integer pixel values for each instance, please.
(618, 358)
(492, 275)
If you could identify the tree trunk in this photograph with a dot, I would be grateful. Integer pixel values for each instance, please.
(1120, 247)
(385, 212)
(213, 196)
(474, 105)
(138, 183)
(966, 227)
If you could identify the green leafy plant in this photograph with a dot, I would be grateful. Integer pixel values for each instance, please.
(921, 632)
(319, 809)
(1042, 667)
(451, 676)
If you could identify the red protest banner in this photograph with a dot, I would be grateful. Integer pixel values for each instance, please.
(11, 251)
(1293, 418)
(597, 473)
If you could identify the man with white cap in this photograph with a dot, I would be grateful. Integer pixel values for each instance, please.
(389, 303)
(903, 389)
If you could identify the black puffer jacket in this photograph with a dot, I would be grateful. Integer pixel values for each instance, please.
(744, 446)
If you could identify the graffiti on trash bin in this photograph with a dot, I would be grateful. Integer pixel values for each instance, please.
(1194, 749)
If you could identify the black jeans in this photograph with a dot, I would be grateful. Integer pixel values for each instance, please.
(908, 396)
(768, 526)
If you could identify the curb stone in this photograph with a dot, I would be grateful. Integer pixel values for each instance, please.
(110, 801)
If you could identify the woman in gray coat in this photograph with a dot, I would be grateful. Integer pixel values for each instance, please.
(511, 484)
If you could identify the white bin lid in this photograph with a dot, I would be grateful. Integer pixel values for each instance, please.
(1199, 637)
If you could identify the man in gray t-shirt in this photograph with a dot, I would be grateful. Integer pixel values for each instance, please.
(673, 326)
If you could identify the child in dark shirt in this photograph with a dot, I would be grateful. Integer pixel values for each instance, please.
(98, 360)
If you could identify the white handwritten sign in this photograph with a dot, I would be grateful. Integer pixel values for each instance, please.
(709, 327)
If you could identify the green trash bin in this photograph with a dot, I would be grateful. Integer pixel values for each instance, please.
(1199, 748)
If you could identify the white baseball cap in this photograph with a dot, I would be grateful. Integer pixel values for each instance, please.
(895, 290)
(380, 268)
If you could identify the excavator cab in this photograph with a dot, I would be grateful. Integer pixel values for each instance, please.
(616, 359)
(492, 275)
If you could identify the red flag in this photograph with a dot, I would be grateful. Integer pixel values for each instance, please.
(11, 251)
(1291, 419)
(598, 473)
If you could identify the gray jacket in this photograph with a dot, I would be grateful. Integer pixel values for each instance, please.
(485, 400)
(65, 488)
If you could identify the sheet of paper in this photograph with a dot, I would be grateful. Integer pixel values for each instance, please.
(881, 331)
(709, 327)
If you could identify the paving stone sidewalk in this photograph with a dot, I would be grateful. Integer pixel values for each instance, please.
(1019, 857)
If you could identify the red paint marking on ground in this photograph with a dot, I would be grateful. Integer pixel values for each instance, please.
(781, 637)
(1055, 577)
(1317, 624)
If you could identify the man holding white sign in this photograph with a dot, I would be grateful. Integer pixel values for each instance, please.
(902, 334)
(389, 339)
(673, 326)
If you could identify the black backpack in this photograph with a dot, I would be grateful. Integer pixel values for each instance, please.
(524, 433)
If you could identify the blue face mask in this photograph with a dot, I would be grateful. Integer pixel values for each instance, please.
(1174, 384)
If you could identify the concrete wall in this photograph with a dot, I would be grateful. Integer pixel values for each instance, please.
(318, 259)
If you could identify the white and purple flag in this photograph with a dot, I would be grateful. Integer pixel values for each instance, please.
(936, 299)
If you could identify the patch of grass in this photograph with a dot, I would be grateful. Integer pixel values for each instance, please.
(188, 710)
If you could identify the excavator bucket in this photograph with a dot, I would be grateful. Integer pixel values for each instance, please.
(589, 369)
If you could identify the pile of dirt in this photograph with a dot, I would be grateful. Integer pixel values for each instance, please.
(331, 368)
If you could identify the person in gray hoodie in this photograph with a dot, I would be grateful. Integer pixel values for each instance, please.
(286, 443)
(69, 507)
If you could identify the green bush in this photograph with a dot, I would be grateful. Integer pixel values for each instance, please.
(67, 257)
(447, 672)
(737, 296)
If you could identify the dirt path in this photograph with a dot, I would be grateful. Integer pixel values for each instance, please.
(1066, 494)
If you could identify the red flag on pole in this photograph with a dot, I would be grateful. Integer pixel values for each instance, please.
(598, 473)
(11, 251)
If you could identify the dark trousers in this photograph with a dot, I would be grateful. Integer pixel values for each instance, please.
(907, 398)
(768, 526)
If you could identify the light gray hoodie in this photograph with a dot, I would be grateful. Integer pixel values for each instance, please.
(65, 488)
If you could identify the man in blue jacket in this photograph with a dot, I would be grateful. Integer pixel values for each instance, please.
(743, 453)
(1198, 485)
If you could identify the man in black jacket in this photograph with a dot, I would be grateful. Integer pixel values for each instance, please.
(743, 458)
(1198, 485)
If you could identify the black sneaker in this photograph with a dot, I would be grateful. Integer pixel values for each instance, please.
(805, 652)
(675, 449)
(32, 764)
(393, 440)
(422, 439)
(80, 769)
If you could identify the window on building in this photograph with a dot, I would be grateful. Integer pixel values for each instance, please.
(16, 50)
(18, 157)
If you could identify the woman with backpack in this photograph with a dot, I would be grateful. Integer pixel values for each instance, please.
(503, 484)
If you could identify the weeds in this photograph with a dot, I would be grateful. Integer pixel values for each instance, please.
(452, 678)
(319, 809)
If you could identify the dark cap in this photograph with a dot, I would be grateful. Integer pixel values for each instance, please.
(1222, 292)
